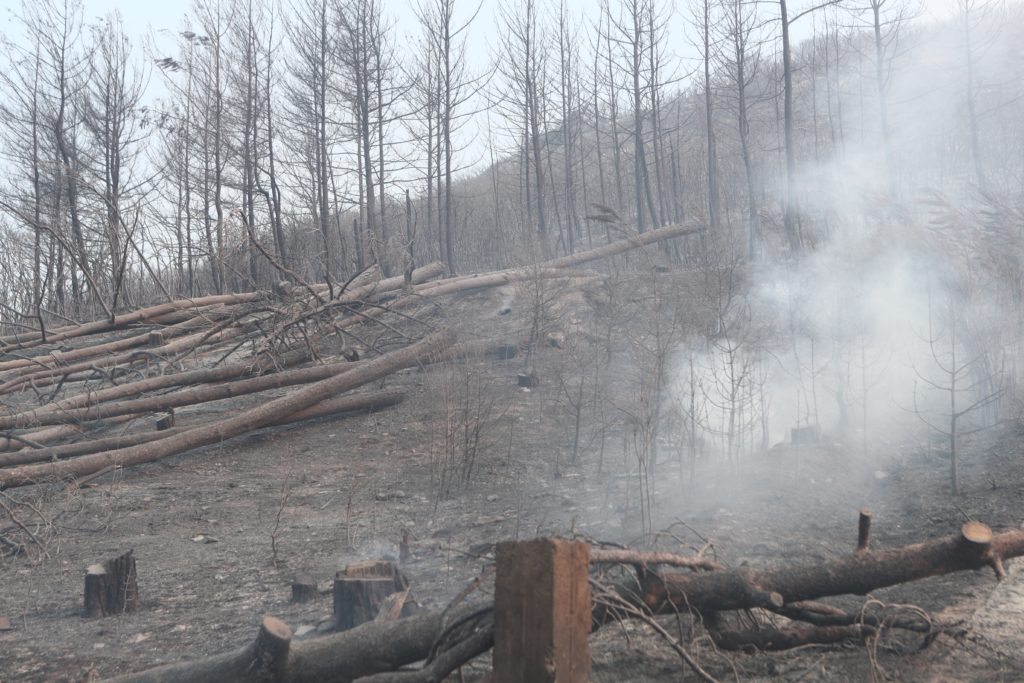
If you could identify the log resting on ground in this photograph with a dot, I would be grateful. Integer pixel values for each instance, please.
(339, 658)
(215, 392)
(788, 638)
(56, 412)
(859, 573)
(124, 320)
(370, 400)
(248, 420)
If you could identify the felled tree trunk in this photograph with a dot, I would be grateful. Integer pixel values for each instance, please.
(248, 420)
(369, 400)
(13, 342)
(788, 638)
(43, 415)
(50, 375)
(337, 658)
(858, 573)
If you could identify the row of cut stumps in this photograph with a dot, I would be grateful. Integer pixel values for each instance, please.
(542, 606)
(364, 591)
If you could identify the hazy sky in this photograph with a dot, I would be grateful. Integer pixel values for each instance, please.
(141, 17)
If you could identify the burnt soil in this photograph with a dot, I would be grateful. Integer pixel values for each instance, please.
(218, 533)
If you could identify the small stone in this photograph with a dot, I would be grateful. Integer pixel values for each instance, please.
(139, 638)
(5, 624)
(492, 498)
(304, 629)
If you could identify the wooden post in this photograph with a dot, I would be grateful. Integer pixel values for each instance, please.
(542, 612)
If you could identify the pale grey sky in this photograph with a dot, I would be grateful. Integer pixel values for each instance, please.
(142, 17)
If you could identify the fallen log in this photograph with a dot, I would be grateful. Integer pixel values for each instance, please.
(387, 285)
(126, 319)
(48, 435)
(371, 400)
(554, 267)
(64, 412)
(768, 640)
(370, 648)
(44, 415)
(627, 556)
(248, 420)
(48, 375)
(633, 242)
(195, 395)
(57, 357)
(859, 573)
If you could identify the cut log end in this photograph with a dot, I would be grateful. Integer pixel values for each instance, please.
(270, 651)
(976, 535)
(275, 629)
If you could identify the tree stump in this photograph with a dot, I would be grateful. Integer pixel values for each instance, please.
(165, 422)
(805, 435)
(112, 587)
(528, 379)
(404, 552)
(304, 589)
(864, 530)
(362, 591)
(358, 600)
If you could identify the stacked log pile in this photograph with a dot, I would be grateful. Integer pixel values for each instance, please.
(81, 397)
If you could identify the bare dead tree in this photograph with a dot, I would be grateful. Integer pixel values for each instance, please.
(110, 115)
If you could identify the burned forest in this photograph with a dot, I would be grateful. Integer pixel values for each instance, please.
(409, 341)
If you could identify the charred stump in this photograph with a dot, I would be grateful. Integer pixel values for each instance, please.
(362, 592)
(112, 587)
(304, 589)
